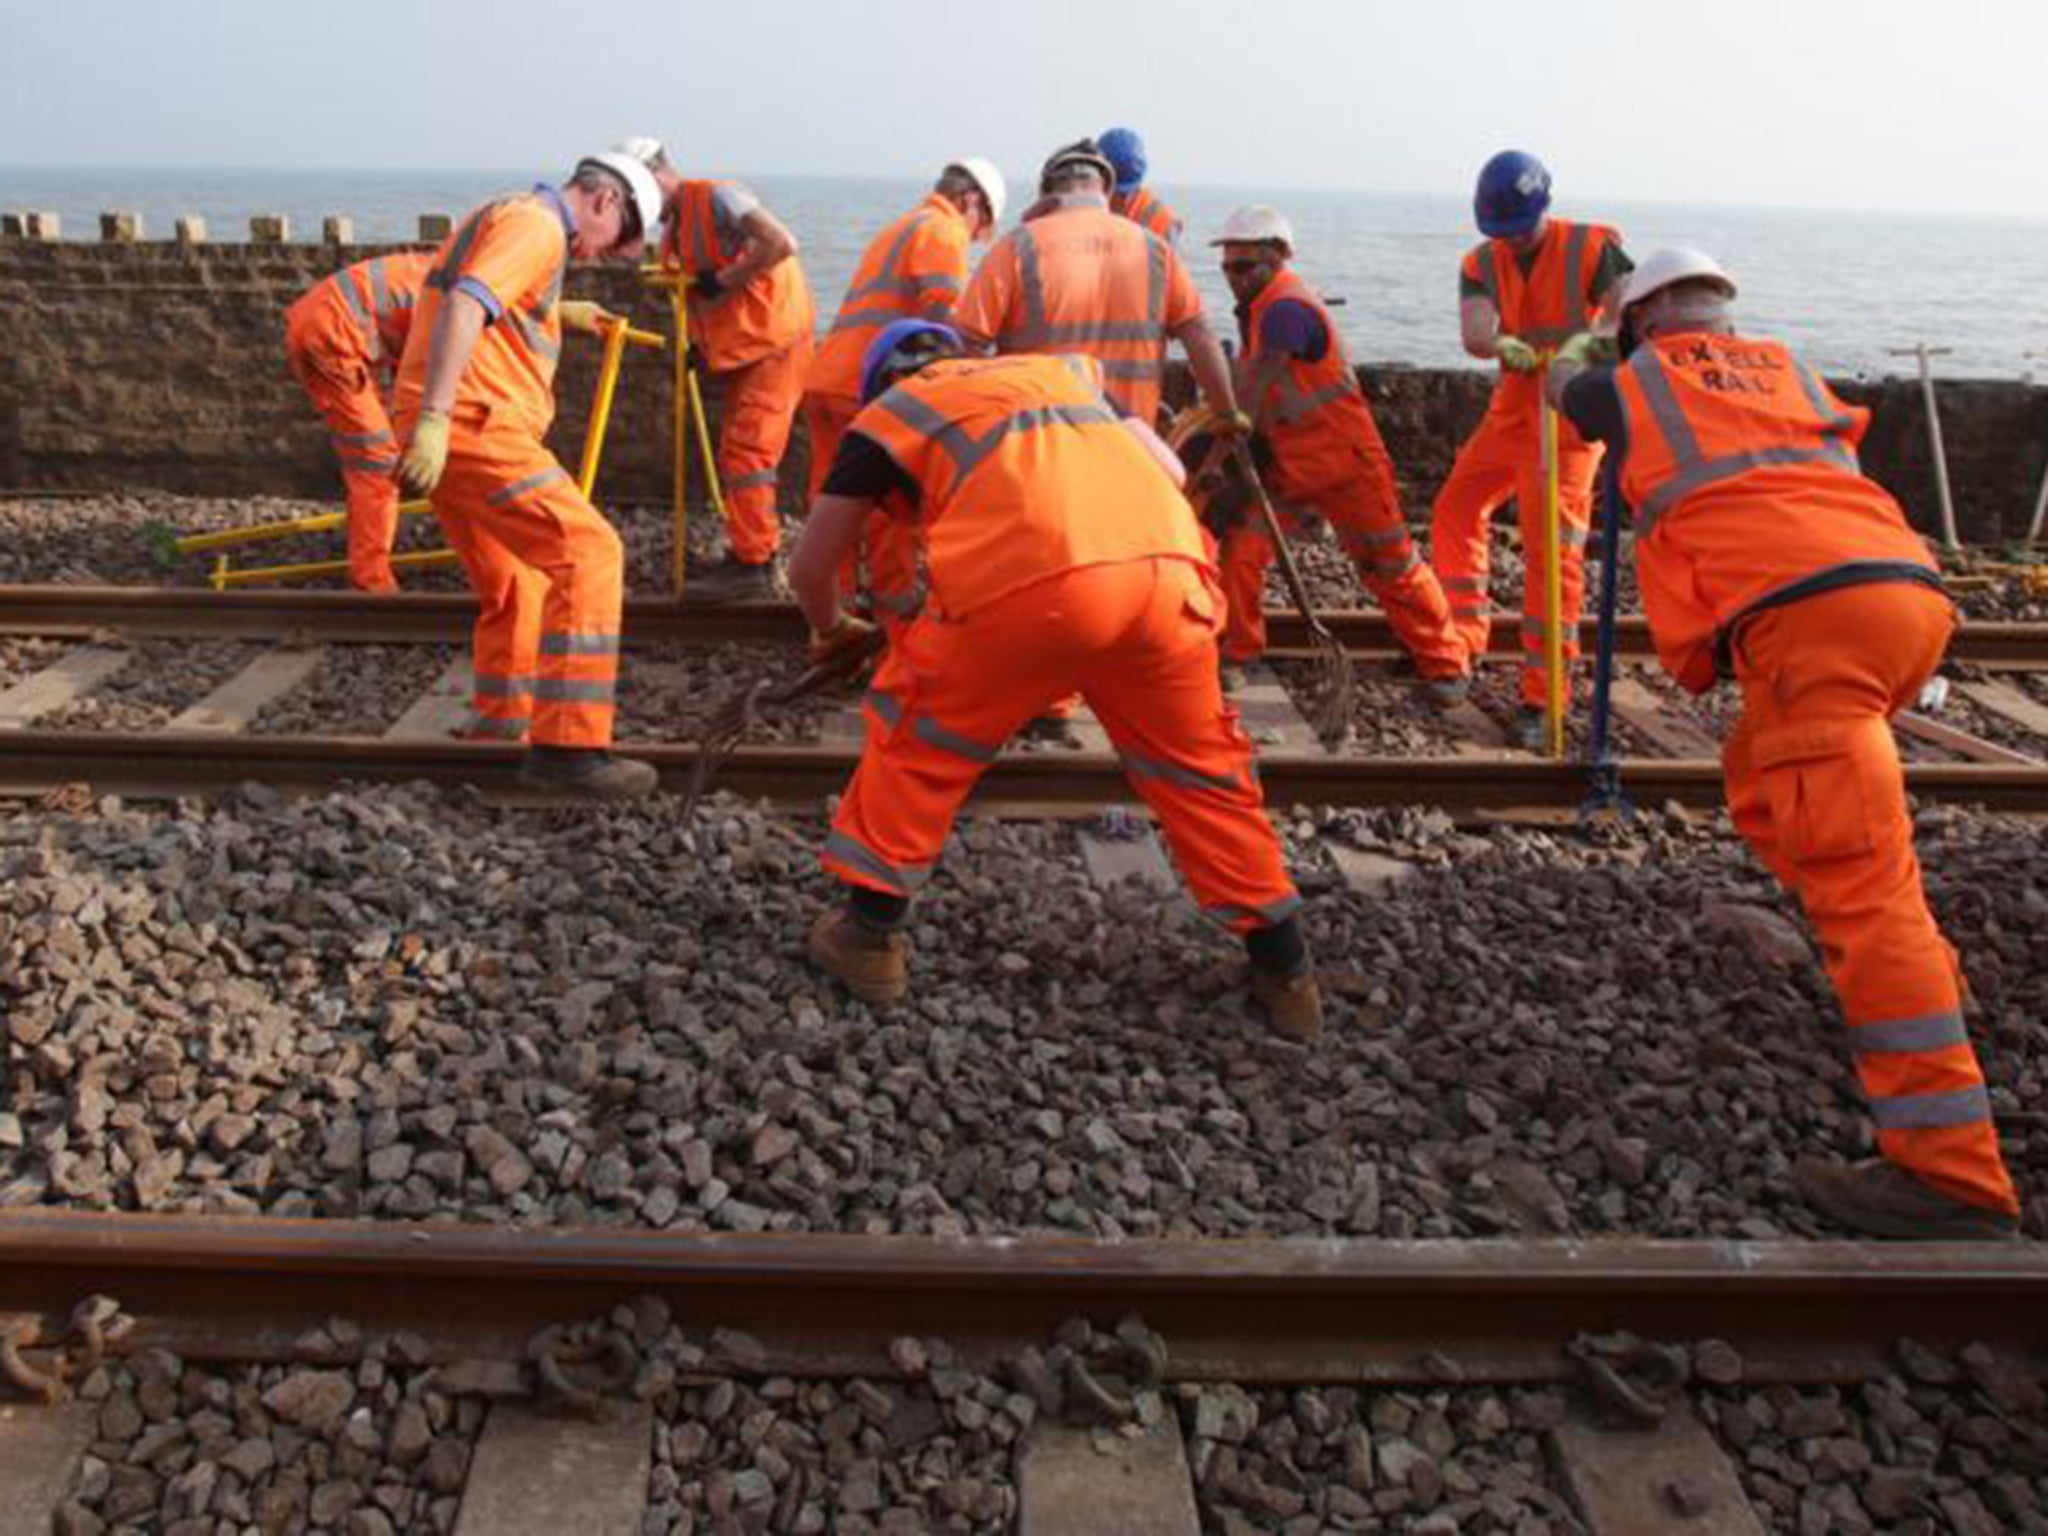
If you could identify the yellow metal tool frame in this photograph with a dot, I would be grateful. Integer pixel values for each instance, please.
(691, 422)
(1556, 693)
(617, 337)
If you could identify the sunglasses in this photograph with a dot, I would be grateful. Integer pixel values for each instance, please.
(1243, 265)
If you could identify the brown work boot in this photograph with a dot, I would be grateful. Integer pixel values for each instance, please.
(874, 966)
(585, 773)
(1292, 1003)
(1447, 692)
(731, 581)
(1880, 1199)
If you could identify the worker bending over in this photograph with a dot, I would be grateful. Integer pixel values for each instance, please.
(343, 338)
(1125, 152)
(475, 398)
(1763, 553)
(1303, 396)
(751, 322)
(1061, 557)
(1076, 278)
(916, 269)
(1535, 281)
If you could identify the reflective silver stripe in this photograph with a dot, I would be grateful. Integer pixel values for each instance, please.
(1150, 368)
(886, 705)
(931, 282)
(1157, 254)
(933, 734)
(573, 690)
(903, 879)
(1461, 583)
(1028, 280)
(519, 488)
(1380, 537)
(1272, 912)
(370, 466)
(488, 685)
(1931, 1111)
(1817, 397)
(968, 452)
(563, 643)
(888, 281)
(1037, 334)
(1707, 472)
(354, 301)
(751, 479)
(1294, 405)
(1139, 766)
(361, 439)
(1930, 1032)
(497, 727)
(532, 329)
(449, 272)
(380, 289)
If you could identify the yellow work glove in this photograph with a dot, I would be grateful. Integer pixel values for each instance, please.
(848, 634)
(1586, 350)
(1516, 355)
(426, 455)
(585, 316)
(1233, 424)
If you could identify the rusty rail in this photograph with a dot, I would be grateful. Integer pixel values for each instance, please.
(1243, 1310)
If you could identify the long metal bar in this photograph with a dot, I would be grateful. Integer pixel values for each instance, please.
(1556, 691)
(1924, 354)
(342, 617)
(1252, 1310)
(169, 764)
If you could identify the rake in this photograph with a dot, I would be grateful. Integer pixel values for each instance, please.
(733, 720)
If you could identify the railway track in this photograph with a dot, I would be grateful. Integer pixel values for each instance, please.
(208, 747)
(1370, 1316)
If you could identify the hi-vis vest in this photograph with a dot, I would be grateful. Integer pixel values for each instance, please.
(376, 297)
(915, 269)
(1141, 207)
(1553, 302)
(1024, 472)
(1317, 418)
(1741, 467)
(1093, 282)
(771, 313)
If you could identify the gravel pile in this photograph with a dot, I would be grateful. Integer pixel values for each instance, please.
(363, 1439)
(1948, 1445)
(408, 1005)
(19, 658)
(669, 692)
(162, 678)
(356, 690)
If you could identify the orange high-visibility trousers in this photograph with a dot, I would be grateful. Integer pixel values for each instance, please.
(758, 404)
(1814, 784)
(549, 574)
(1504, 458)
(1365, 514)
(1137, 639)
(825, 421)
(345, 393)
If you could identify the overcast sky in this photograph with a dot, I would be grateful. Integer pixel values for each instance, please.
(1884, 104)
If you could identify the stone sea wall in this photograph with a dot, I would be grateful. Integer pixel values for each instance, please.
(131, 364)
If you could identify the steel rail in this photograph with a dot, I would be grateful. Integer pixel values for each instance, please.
(173, 763)
(1232, 1309)
(445, 617)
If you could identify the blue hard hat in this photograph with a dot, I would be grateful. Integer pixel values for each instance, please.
(1124, 150)
(1513, 193)
(897, 351)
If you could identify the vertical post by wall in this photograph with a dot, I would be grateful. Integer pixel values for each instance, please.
(13, 226)
(338, 229)
(190, 229)
(40, 225)
(269, 229)
(121, 226)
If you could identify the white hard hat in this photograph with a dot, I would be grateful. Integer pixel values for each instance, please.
(990, 180)
(1253, 222)
(647, 150)
(1677, 264)
(640, 184)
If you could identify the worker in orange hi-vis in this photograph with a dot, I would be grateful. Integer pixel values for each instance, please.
(1535, 281)
(1060, 557)
(475, 399)
(1304, 398)
(1076, 278)
(1764, 553)
(343, 338)
(752, 325)
(1125, 151)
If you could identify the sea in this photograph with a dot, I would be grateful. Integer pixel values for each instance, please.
(1848, 290)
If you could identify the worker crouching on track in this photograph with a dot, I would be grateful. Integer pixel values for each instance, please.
(1764, 553)
(475, 398)
(1534, 282)
(1061, 558)
(343, 338)
(1303, 396)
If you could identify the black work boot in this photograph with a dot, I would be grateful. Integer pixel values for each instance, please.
(732, 580)
(585, 773)
(1880, 1199)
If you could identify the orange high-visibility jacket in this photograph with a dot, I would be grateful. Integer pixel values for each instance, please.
(1555, 301)
(368, 307)
(1023, 472)
(1141, 207)
(1741, 467)
(518, 248)
(915, 269)
(1319, 422)
(769, 315)
(1083, 279)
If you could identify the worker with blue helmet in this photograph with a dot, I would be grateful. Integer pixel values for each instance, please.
(1124, 149)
